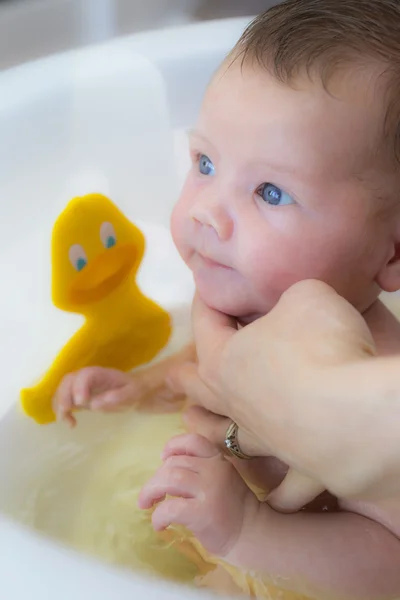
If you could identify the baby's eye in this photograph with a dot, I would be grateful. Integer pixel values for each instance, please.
(205, 165)
(107, 235)
(77, 256)
(273, 195)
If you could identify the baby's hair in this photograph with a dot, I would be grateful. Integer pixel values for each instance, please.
(319, 36)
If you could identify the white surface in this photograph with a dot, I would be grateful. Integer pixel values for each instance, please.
(98, 115)
(101, 117)
(32, 569)
(36, 28)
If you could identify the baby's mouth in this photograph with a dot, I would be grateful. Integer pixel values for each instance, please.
(213, 264)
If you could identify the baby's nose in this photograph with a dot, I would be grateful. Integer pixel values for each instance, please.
(213, 216)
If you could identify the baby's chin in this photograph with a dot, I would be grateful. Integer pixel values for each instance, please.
(229, 302)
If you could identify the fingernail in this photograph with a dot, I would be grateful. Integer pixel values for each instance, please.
(79, 400)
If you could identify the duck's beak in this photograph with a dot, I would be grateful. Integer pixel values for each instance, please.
(103, 274)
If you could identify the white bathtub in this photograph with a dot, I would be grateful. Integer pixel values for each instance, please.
(97, 117)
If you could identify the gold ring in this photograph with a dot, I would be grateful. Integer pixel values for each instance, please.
(232, 444)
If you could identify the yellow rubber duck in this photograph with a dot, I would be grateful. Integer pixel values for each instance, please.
(96, 253)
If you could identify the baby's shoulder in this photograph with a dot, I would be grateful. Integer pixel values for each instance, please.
(385, 326)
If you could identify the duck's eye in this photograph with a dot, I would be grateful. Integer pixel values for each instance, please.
(81, 264)
(77, 256)
(107, 235)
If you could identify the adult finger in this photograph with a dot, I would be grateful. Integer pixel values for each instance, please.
(212, 330)
(207, 424)
(184, 379)
(295, 492)
(214, 428)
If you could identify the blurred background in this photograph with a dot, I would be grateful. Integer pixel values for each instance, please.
(32, 29)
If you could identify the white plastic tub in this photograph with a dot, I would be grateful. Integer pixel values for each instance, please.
(98, 117)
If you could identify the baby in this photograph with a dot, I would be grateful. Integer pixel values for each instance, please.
(295, 175)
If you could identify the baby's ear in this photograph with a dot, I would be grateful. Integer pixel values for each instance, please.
(388, 277)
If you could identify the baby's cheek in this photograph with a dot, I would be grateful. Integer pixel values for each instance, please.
(179, 226)
(175, 223)
(271, 272)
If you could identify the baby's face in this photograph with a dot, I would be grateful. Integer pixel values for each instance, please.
(282, 188)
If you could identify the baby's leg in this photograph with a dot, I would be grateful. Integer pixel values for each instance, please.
(386, 512)
(220, 580)
(338, 555)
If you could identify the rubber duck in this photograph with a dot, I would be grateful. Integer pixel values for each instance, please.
(96, 252)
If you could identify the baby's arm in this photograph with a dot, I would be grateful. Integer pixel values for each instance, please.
(338, 556)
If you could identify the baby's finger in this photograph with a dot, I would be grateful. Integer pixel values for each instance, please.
(94, 380)
(190, 444)
(63, 401)
(174, 511)
(113, 400)
(168, 482)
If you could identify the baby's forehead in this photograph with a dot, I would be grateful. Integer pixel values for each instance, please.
(361, 80)
(342, 121)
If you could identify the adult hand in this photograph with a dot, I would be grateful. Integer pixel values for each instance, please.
(305, 382)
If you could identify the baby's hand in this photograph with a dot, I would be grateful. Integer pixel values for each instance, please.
(209, 496)
(109, 390)
(93, 388)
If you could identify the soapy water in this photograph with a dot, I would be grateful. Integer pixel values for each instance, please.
(85, 493)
